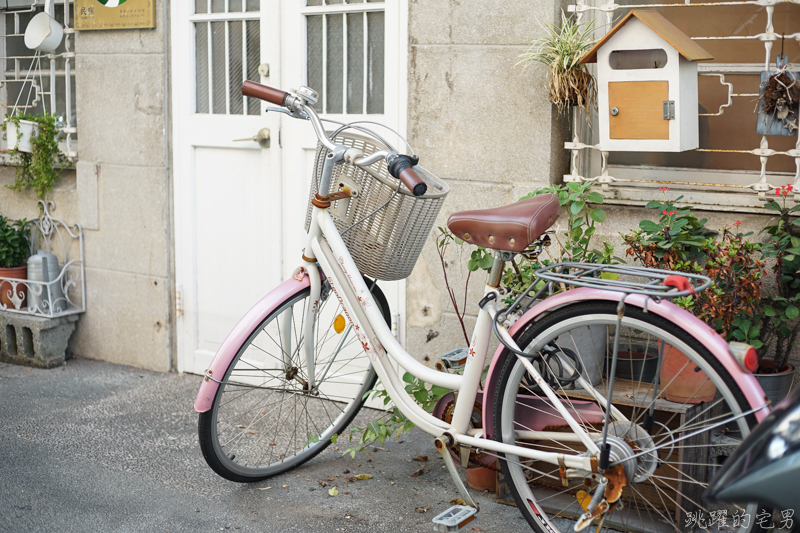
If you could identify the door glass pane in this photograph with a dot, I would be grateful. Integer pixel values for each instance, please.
(334, 74)
(375, 59)
(313, 2)
(201, 6)
(253, 32)
(253, 5)
(352, 72)
(355, 63)
(218, 67)
(234, 6)
(314, 61)
(218, 6)
(201, 66)
(236, 55)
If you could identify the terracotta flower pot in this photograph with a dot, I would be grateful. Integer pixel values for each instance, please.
(7, 289)
(689, 386)
(482, 478)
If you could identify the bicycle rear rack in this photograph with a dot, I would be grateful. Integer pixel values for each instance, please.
(618, 278)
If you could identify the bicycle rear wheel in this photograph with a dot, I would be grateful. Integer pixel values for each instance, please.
(266, 418)
(667, 463)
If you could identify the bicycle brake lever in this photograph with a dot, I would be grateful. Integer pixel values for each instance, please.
(280, 110)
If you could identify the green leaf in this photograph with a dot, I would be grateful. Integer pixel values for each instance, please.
(597, 215)
(576, 207)
(792, 312)
(595, 197)
(408, 377)
(421, 396)
(653, 205)
(769, 310)
(649, 226)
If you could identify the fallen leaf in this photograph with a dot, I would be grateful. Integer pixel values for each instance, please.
(332, 491)
(272, 444)
(351, 478)
(418, 473)
(391, 483)
(240, 426)
(363, 476)
(27, 435)
(265, 488)
(346, 471)
(422, 509)
(330, 479)
(336, 449)
(346, 493)
(322, 483)
(458, 501)
(308, 479)
(252, 432)
(476, 529)
(285, 486)
(421, 458)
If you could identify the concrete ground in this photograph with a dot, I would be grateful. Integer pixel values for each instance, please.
(93, 446)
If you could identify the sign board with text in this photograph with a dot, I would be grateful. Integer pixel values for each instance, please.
(114, 14)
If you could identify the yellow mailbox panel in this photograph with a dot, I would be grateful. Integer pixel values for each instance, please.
(639, 108)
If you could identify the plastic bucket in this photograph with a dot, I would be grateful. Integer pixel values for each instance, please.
(43, 33)
(24, 143)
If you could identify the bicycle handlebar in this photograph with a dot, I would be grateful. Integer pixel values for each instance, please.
(399, 166)
(262, 92)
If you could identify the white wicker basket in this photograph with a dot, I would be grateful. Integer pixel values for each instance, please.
(387, 244)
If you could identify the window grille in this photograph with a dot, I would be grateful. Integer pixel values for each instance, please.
(50, 85)
(733, 158)
(346, 55)
(227, 53)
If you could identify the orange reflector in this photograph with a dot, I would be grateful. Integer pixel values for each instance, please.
(339, 323)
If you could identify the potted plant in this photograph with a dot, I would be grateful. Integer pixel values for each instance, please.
(14, 250)
(35, 152)
(680, 241)
(773, 331)
(560, 49)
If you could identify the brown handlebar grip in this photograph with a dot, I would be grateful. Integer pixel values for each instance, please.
(262, 92)
(413, 181)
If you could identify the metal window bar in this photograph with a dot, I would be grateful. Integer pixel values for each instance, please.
(204, 20)
(68, 123)
(325, 8)
(764, 152)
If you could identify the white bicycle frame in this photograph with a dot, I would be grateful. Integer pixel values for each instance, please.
(326, 247)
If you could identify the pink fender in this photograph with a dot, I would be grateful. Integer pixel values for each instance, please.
(235, 339)
(680, 317)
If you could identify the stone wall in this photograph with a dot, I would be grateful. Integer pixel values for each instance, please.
(119, 192)
(483, 124)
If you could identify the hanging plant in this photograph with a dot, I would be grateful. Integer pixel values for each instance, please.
(36, 169)
(560, 49)
(780, 94)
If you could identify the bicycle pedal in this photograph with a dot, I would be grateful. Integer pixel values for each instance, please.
(454, 519)
(454, 359)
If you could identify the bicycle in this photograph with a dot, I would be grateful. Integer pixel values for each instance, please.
(296, 369)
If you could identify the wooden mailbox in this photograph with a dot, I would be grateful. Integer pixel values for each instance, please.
(647, 85)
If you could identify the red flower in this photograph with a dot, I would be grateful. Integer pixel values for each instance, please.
(664, 212)
(672, 213)
(789, 187)
(737, 223)
(663, 189)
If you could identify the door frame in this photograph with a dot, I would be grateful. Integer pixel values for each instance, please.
(182, 71)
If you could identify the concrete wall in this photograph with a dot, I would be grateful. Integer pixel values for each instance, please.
(484, 125)
(119, 192)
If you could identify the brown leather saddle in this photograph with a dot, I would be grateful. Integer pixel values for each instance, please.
(510, 227)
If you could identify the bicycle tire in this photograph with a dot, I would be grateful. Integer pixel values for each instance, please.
(294, 424)
(657, 500)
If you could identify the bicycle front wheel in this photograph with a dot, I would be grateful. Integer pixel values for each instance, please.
(267, 417)
(662, 438)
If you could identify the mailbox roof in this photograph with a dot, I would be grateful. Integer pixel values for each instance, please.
(661, 26)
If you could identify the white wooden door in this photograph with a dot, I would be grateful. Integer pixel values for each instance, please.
(239, 206)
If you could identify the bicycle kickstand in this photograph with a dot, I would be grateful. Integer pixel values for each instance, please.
(457, 517)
